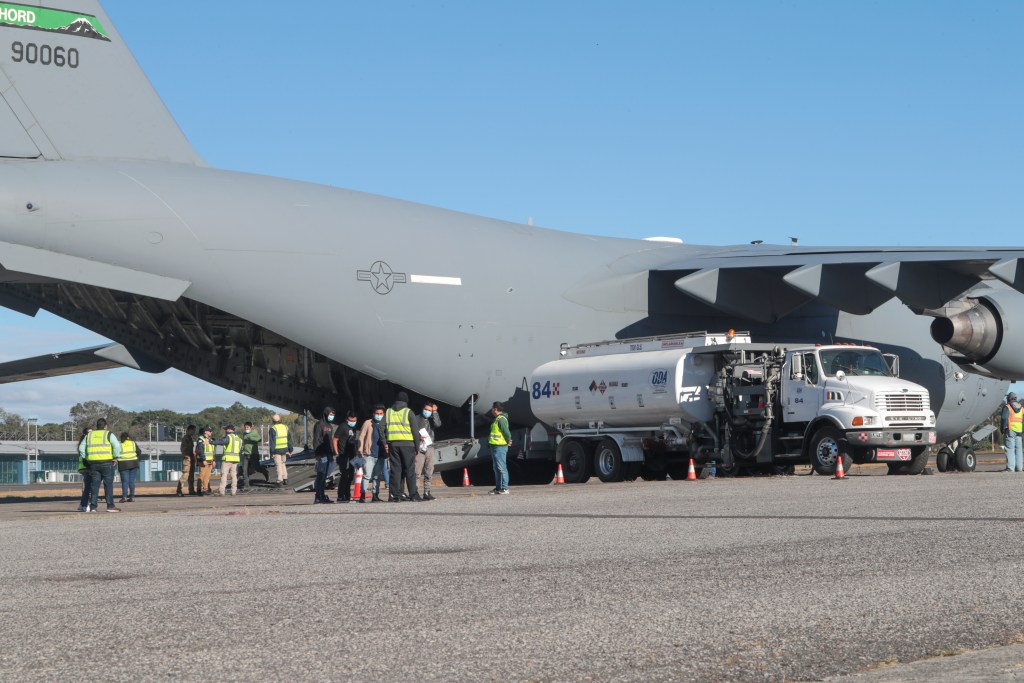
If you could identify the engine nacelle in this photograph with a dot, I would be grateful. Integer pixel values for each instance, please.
(988, 337)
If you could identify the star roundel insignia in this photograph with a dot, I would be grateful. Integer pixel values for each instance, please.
(381, 277)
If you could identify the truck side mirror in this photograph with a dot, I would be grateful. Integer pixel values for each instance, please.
(894, 363)
(796, 367)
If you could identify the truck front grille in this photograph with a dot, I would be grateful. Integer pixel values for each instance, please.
(900, 401)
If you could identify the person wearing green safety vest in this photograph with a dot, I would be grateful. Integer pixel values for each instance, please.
(83, 469)
(280, 448)
(499, 439)
(100, 449)
(128, 467)
(401, 449)
(229, 460)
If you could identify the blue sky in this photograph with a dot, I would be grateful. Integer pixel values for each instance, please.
(862, 123)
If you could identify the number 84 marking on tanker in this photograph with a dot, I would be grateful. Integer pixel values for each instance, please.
(546, 390)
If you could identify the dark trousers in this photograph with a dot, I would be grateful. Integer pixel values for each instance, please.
(403, 467)
(255, 466)
(86, 487)
(346, 473)
(104, 471)
(323, 464)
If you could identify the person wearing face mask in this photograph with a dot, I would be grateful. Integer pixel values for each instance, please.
(423, 426)
(345, 439)
(401, 449)
(323, 453)
(373, 448)
(251, 440)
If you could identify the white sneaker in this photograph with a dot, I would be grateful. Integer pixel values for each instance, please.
(83, 508)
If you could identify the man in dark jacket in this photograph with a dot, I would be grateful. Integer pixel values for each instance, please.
(323, 452)
(346, 438)
(401, 448)
(251, 440)
(423, 426)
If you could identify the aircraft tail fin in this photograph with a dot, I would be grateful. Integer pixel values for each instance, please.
(71, 89)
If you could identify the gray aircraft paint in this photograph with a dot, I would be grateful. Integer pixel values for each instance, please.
(119, 200)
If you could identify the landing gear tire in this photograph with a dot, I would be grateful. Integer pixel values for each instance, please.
(944, 460)
(826, 449)
(575, 461)
(917, 463)
(452, 478)
(677, 470)
(966, 461)
(608, 464)
(648, 474)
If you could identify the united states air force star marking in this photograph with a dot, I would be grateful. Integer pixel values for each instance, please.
(381, 277)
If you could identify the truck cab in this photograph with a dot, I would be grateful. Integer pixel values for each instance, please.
(848, 399)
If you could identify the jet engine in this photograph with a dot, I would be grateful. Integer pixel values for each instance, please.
(987, 335)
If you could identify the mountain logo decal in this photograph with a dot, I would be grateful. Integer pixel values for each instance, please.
(51, 21)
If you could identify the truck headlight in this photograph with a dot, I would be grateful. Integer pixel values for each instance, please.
(862, 420)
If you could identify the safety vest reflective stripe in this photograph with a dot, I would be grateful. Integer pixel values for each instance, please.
(1016, 420)
(97, 446)
(398, 425)
(496, 438)
(280, 437)
(129, 451)
(233, 449)
(208, 449)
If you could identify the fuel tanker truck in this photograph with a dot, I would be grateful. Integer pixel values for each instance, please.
(644, 407)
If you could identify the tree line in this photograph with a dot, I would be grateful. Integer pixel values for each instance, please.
(141, 425)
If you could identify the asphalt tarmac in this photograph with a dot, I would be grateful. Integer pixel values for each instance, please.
(757, 579)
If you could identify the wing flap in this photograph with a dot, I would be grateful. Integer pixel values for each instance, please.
(95, 358)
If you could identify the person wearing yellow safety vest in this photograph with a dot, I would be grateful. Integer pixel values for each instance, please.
(128, 467)
(204, 454)
(229, 460)
(83, 469)
(100, 449)
(1012, 423)
(280, 448)
(401, 449)
(499, 438)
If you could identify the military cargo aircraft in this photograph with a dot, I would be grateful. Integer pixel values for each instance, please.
(110, 219)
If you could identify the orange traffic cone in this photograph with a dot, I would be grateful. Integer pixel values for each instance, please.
(465, 476)
(840, 474)
(691, 474)
(358, 491)
(559, 478)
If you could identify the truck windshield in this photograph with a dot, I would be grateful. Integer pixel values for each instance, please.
(854, 362)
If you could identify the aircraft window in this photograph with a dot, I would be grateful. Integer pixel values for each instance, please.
(854, 362)
(811, 368)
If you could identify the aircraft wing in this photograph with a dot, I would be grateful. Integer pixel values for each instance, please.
(104, 357)
(766, 282)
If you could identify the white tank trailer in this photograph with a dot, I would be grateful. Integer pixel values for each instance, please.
(644, 407)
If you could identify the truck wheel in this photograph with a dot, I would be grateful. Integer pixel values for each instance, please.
(943, 459)
(966, 461)
(916, 465)
(608, 461)
(826, 449)
(575, 463)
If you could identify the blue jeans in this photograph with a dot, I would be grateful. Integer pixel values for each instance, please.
(1014, 456)
(128, 478)
(103, 470)
(498, 456)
